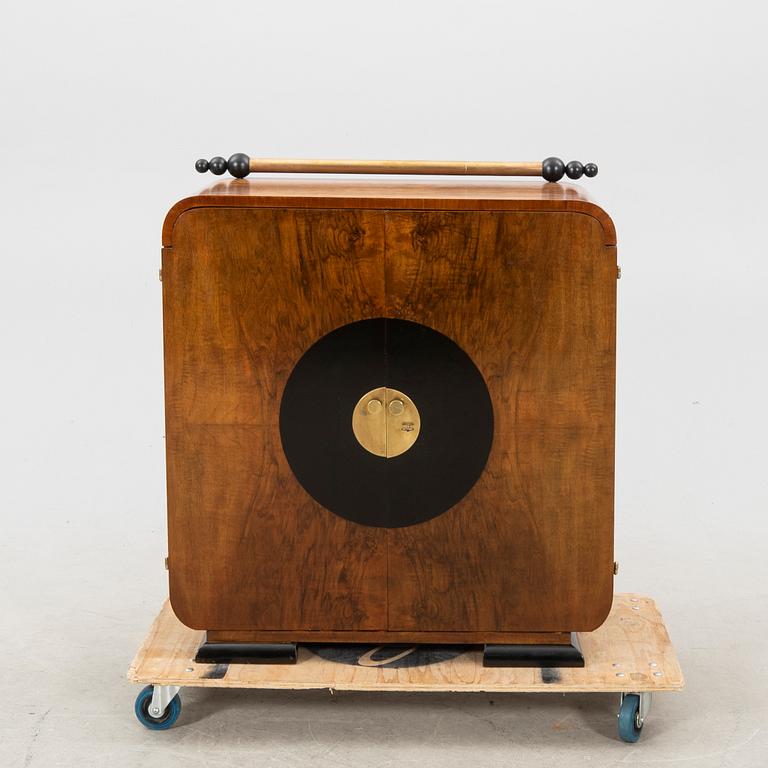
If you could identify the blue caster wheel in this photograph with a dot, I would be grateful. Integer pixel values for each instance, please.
(630, 724)
(162, 723)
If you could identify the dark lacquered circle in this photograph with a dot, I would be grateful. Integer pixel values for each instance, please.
(456, 422)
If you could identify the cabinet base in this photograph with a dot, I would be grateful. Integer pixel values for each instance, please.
(494, 655)
(534, 655)
(246, 653)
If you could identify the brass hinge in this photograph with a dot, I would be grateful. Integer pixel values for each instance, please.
(618, 272)
(160, 274)
(615, 568)
(166, 564)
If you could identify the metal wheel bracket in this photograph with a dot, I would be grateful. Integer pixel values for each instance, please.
(162, 695)
(645, 705)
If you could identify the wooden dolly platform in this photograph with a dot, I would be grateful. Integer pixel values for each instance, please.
(630, 654)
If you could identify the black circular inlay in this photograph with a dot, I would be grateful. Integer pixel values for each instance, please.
(456, 422)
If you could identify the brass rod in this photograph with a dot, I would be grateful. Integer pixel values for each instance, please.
(437, 167)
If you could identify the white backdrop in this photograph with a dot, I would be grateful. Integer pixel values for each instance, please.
(105, 108)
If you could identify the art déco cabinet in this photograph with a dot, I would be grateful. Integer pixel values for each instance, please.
(390, 411)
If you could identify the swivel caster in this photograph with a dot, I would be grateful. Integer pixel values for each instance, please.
(158, 706)
(632, 713)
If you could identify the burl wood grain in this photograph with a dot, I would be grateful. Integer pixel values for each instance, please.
(528, 294)
(388, 636)
(394, 194)
(245, 293)
(531, 299)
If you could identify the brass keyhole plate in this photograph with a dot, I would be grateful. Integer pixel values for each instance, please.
(386, 422)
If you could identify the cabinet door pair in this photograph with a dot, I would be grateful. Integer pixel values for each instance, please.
(389, 420)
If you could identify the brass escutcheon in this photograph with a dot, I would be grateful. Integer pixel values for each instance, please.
(386, 422)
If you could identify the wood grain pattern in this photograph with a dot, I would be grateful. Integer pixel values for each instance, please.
(523, 279)
(386, 194)
(389, 636)
(531, 299)
(618, 657)
(245, 293)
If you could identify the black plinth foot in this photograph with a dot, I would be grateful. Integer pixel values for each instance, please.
(534, 655)
(246, 653)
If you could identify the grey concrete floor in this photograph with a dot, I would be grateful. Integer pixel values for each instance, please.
(78, 598)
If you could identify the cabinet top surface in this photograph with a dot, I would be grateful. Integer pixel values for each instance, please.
(453, 188)
(427, 194)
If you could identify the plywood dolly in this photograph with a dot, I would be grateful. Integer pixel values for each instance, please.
(630, 655)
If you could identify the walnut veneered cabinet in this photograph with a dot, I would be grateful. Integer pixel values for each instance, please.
(390, 410)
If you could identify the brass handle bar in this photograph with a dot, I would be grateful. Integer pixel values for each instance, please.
(551, 169)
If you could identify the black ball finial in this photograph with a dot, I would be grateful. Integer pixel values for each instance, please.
(239, 165)
(201, 166)
(218, 165)
(574, 170)
(552, 169)
(590, 170)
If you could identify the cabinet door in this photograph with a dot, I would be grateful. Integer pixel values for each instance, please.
(245, 293)
(530, 297)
